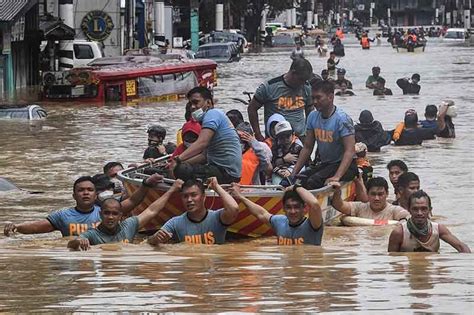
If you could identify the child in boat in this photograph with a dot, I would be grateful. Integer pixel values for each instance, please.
(286, 150)
(156, 148)
(363, 163)
(190, 133)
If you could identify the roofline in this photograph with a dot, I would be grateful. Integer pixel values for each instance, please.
(22, 12)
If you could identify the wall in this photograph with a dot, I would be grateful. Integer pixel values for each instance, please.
(112, 8)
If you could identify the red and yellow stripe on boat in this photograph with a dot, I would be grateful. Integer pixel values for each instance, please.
(246, 224)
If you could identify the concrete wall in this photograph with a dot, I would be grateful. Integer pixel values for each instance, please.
(112, 8)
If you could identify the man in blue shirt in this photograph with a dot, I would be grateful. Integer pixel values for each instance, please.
(333, 130)
(431, 115)
(85, 215)
(293, 228)
(217, 151)
(112, 229)
(198, 225)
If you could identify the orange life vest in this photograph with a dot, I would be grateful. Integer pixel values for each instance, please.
(398, 131)
(364, 41)
(249, 166)
(340, 34)
(269, 142)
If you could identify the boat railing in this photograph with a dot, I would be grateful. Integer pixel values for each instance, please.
(135, 175)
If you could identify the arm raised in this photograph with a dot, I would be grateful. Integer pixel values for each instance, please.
(337, 202)
(315, 214)
(155, 208)
(231, 207)
(137, 197)
(258, 211)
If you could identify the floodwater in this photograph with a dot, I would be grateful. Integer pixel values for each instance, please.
(352, 272)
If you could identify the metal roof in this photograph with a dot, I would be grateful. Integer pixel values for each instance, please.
(10, 9)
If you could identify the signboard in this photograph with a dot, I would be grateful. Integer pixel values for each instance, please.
(131, 87)
(97, 25)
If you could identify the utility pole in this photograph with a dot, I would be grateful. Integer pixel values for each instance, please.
(194, 22)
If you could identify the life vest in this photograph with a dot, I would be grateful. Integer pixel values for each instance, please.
(364, 41)
(179, 137)
(249, 166)
(398, 131)
(340, 34)
(269, 141)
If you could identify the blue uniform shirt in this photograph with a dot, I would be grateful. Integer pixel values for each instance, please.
(209, 231)
(329, 133)
(74, 222)
(126, 231)
(303, 233)
(224, 149)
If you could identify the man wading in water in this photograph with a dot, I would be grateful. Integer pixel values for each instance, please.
(85, 215)
(293, 228)
(419, 234)
(112, 229)
(198, 225)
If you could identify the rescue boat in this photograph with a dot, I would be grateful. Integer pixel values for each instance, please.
(267, 196)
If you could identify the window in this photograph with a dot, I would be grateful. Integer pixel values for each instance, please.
(83, 52)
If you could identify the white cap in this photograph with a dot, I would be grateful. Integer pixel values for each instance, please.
(360, 147)
(283, 126)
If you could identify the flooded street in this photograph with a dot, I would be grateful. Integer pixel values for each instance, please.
(352, 272)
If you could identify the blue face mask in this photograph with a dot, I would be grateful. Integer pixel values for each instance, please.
(198, 115)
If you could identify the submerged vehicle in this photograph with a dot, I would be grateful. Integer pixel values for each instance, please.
(455, 35)
(131, 78)
(219, 52)
(30, 112)
(268, 196)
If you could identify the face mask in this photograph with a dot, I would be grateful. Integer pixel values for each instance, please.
(153, 143)
(198, 115)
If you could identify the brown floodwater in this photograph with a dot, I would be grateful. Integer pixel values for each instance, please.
(351, 272)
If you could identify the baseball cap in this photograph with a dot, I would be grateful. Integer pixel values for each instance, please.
(283, 126)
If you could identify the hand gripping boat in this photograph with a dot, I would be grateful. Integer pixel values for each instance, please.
(268, 196)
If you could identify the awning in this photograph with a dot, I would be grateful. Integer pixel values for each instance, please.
(54, 29)
(11, 10)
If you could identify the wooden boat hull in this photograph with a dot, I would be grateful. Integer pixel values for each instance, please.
(246, 224)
